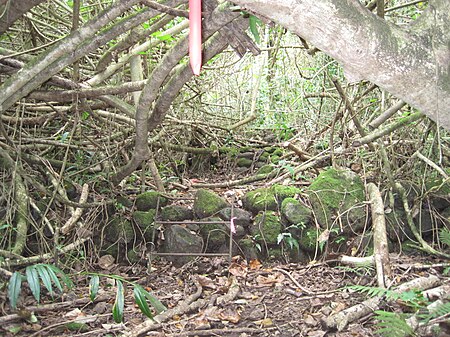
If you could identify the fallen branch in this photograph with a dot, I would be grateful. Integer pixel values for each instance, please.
(76, 214)
(381, 250)
(341, 319)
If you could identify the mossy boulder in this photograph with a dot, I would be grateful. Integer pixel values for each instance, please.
(440, 195)
(263, 199)
(176, 213)
(244, 162)
(308, 240)
(149, 200)
(295, 212)
(248, 247)
(338, 193)
(179, 239)
(266, 228)
(145, 221)
(208, 203)
(241, 216)
(214, 234)
(265, 169)
(119, 229)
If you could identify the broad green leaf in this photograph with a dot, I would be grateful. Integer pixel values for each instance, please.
(45, 277)
(253, 20)
(53, 277)
(117, 310)
(66, 279)
(15, 283)
(93, 287)
(140, 298)
(159, 307)
(33, 282)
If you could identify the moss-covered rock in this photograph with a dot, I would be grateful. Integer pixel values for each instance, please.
(145, 221)
(295, 212)
(266, 227)
(214, 234)
(176, 213)
(308, 240)
(265, 169)
(133, 256)
(119, 229)
(179, 239)
(208, 203)
(440, 193)
(338, 193)
(248, 247)
(244, 162)
(149, 200)
(259, 200)
(241, 216)
(263, 199)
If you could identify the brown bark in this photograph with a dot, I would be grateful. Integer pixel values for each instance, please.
(13, 10)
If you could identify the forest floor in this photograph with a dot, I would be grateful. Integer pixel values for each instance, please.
(211, 297)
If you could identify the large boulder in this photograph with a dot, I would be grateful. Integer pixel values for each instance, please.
(146, 223)
(268, 199)
(338, 193)
(295, 212)
(214, 234)
(241, 216)
(179, 239)
(176, 213)
(208, 203)
(149, 200)
(266, 228)
(119, 229)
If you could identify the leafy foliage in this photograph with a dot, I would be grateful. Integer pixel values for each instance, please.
(444, 236)
(52, 277)
(49, 275)
(392, 324)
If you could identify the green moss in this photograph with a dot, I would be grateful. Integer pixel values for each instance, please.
(282, 192)
(214, 234)
(265, 169)
(244, 162)
(149, 200)
(260, 199)
(274, 159)
(295, 212)
(266, 228)
(176, 213)
(308, 240)
(133, 256)
(336, 192)
(145, 221)
(207, 203)
(119, 228)
(77, 326)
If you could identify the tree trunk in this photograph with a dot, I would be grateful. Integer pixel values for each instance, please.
(412, 63)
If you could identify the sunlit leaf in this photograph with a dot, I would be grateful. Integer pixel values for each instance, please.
(140, 298)
(33, 282)
(117, 310)
(93, 287)
(15, 283)
(253, 21)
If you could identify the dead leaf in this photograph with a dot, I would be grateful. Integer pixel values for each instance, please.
(229, 315)
(270, 280)
(206, 282)
(106, 262)
(238, 267)
(255, 264)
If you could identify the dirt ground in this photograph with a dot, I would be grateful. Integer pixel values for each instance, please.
(211, 297)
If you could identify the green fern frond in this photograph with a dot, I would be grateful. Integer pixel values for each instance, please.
(444, 236)
(392, 325)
